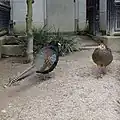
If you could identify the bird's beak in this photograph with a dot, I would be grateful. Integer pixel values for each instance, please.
(59, 44)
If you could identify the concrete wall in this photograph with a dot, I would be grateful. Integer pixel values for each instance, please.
(60, 13)
(103, 14)
(18, 13)
(82, 14)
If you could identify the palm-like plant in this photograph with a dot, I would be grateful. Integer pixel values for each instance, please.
(42, 36)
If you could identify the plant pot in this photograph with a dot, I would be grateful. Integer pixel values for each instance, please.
(13, 50)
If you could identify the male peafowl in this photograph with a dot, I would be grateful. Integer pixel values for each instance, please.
(47, 58)
(102, 56)
(45, 61)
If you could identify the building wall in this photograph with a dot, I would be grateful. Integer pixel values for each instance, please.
(4, 14)
(61, 13)
(19, 10)
(82, 14)
(103, 14)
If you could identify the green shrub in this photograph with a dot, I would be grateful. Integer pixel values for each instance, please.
(42, 36)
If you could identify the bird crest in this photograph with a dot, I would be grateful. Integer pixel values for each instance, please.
(102, 45)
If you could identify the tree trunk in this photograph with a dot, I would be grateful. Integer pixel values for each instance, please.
(29, 30)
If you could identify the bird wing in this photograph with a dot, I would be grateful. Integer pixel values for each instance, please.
(96, 56)
(46, 58)
(102, 57)
(49, 59)
(45, 65)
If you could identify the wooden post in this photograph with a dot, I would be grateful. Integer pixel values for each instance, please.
(29, 30)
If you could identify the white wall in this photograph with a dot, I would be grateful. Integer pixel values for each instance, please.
(103, 14)
(60, 12)
(82, 14)
(18, 13)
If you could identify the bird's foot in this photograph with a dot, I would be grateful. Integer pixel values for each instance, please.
(99, 76)
(44, 77)
(104, 71)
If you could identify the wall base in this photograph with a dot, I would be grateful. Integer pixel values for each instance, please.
(113, 42)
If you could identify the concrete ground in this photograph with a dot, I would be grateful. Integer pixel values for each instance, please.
(72, 92)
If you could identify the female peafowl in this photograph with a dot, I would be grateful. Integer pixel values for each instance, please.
(102, 56)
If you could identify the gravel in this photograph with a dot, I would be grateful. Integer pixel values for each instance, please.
(71, 93)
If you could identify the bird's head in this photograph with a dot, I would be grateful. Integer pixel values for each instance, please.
(102, 46)
(55, 43)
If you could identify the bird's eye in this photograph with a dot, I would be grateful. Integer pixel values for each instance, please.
(59, 44)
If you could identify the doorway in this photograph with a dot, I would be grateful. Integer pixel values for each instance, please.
(117, 15)
(92, 16)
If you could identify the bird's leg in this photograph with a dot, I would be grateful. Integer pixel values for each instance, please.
(103, 70)
(99, 72)
(49, 75)
(44, 77)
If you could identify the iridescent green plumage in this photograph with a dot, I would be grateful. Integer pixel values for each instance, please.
(47, 58)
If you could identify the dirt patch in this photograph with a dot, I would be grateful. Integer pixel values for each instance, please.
(72, 93)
